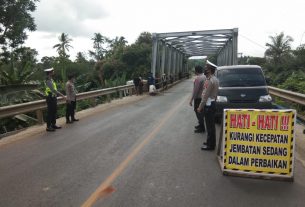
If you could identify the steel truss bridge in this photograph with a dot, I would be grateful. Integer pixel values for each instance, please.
(171, 50)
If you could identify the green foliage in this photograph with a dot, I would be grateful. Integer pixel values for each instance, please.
(81, 58)
(144, 38)
(63, 60)
(15, 19)
(63, 45)
(117, 46)
(299, 54)
(48, 62)
(113, 67)
(15, 94)
(295, 82)
(137, 57)
(279, 49)
(129, 60)
(284, 66)
(20, 67)
(116, 80)
(99, 46)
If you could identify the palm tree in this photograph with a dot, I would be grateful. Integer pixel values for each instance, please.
(80, 58)
(116, 46)
(98, 54)
(63, 45)
(279, 47)
(118, 42)
(98, 41)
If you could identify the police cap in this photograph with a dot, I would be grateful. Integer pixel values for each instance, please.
(49, 69)
(211, 64)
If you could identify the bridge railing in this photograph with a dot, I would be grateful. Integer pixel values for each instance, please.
(40, 105)
(286, 95)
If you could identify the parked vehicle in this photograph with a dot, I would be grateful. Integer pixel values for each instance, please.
(241, 86)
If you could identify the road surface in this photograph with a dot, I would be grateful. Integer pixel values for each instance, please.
(139, 151)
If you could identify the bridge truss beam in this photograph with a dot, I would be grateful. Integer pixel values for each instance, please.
(171, 50)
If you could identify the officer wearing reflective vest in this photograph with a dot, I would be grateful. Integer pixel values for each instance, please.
(51, 98)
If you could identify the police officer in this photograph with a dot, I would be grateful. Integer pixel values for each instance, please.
(196, 96)
(208, 106)
(51, 98)
(71, 100)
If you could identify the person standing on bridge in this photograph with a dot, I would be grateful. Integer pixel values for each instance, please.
(136, 82)
(51, 93)
(208, 106)
(71, 100)
(151, 84)
(196, 96)
(164, 81)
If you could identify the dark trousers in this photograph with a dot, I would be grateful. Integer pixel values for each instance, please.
(51, 111)
(70, 110)
(199, 115)
(141, 88)
(209, 115)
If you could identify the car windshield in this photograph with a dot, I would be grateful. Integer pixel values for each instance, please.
(239, 77)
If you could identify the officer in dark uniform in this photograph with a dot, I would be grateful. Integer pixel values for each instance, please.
(196, 97)
(51, 98)
(208, 106)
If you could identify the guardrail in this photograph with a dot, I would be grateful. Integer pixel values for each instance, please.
(294, 97)
(40, 105)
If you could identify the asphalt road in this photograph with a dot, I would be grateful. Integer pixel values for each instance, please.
(141, 154)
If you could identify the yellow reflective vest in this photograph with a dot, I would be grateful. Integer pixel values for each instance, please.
(48, 90)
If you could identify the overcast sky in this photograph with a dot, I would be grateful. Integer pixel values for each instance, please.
(80, 19)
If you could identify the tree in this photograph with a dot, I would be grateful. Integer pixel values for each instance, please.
(117, 46)
(137, 56)
(99, 53)
(279, 48)
(47, 62)
(98, 45)
(22, 66)
(15, 19)
(80, 58)
(63, 45)
(144, 38)
(295, 82)
(299, 54)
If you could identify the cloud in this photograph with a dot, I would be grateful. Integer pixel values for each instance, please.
(69, 16)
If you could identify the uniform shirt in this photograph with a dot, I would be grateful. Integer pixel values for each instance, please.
(210, 90)
(198, 86)
(70, 91)
(151, 80)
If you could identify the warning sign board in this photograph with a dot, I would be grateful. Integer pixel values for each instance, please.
(259, 141)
